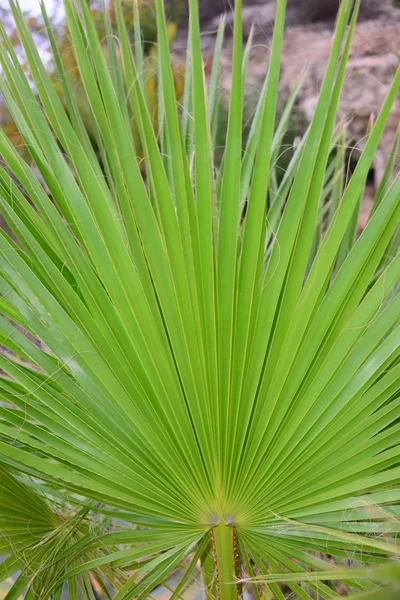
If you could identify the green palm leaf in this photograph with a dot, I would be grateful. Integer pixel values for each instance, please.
(189, 354)
(40, 539)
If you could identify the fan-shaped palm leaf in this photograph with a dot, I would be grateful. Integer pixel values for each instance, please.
(198, 373)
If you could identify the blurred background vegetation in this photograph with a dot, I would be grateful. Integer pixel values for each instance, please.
(61, 35)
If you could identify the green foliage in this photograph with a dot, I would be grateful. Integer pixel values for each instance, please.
(41, 544)
(205, 361)
(139, 19)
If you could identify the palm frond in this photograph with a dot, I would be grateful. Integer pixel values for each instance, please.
(204, 352)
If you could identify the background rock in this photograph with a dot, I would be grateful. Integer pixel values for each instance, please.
(373, 60)
(372, 65)
(261, 12)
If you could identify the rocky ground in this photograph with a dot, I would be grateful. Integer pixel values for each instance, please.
(374, 58)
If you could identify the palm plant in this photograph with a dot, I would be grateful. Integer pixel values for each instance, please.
(206, 360)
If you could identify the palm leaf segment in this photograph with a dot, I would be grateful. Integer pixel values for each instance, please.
(206, 364)
(41, 540)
